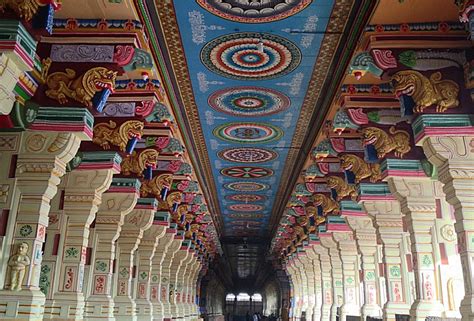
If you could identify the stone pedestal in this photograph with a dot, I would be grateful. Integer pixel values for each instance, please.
(117, 202)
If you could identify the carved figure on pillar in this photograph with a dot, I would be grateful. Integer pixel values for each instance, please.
(398, 141)
(18, 263)
(106, 134)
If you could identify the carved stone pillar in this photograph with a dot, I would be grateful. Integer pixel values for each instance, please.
(157, 273)
(17, 55)
(138, 221)
(317, 279)
(336, 272)
(180, 294)
(417, 200)
(326, 280)
(177, 266)
(307, 268)
(297, 288)
(82, 197)
(191, 287)
(453, 155)
(117, 202)
(145, 255)
(350, 271)
(389, 226)
(366, 238)
(304, 275)
(41, 163)
(166, 276)
(294, 297)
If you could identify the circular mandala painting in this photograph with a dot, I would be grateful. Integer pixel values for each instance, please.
(254, 11)
(247, 155)
(243, 132)
(245, 215)
(246, 207)
(247, 198)
(251, 55)
(246, 172)
(246, 186)
(249, 101)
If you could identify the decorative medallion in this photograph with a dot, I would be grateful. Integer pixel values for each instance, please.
(251, 55)
(245, 207)
(247, 155)
(248, 132)
(246, 172)
(254, 11)
(245, 215)
(246, 186)
(246, 198)
(249, 101)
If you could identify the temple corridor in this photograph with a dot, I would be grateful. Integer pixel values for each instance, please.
(236, 160)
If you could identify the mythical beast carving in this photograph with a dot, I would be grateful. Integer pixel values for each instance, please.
(360, 168)
(136, 163)
(341, 187)
(427, 91)
(106, 134)
(65, 84)
(398, 141)
(327, 204)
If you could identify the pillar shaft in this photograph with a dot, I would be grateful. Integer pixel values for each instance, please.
(326, 281)
(389, 226)
(336, 273)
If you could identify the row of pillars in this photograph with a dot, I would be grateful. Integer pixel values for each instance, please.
(408, 252)
(92, 251)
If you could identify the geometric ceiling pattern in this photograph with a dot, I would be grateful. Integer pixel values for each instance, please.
(250, 64)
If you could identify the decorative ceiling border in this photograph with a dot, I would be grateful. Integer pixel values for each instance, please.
(337, 29)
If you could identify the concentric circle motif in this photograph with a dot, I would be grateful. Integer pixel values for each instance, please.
(246, 186)
(245, 207)
(251, 55)
(249, 101)
(247, 132)
(247, 198)
(245, 215)
(246, 172)
(254, 11)
(247, 155)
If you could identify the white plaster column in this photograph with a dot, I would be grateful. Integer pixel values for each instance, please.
(307, 269)
(157, 274)
(350, 271)
(316, 281)
(142, 286)
(336, 273)
(136, 222)
(178, 266)
(167, 274)
(302, 273)
(82, 197)
(453, 155)
(366, 238)
(389, 227)
(40, 165)
(117, 202)
(417, 201)
(326, 280)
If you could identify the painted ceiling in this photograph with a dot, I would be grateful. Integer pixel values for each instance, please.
(250, 63)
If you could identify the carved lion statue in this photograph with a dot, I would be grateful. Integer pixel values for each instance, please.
(106, 134)
(136, 163)
(64, 85)
(360, 168)
(341, 187)
(425, 91)
(398, 141)
(327, 204)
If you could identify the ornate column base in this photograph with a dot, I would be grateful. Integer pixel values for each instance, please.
(99, 308)
(391, 308)
(424, 308)
(27, 305)
(125, 309)
(70, 307)
(144, 310)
